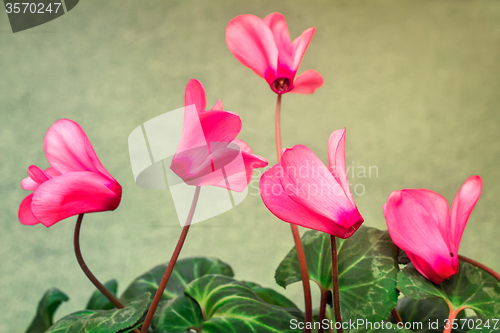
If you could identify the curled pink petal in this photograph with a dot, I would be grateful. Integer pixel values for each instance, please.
(307, 82)
(37, 174)
(300, 45)
(74, 193)
(278, 202)
(25, 215)
(29, 184)
(220, 126)
(336, 161)
(462, 207)
(250, 160)
(218, 105)
(251, 41)
(68, 149)
(195, 95)
(279, 28)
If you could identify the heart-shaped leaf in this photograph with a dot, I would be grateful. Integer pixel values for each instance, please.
(46, 309)
(231, 306)
(426, 315)
(98, 301)
(185, 271)
(100, 321)
(178, 315)
(367, 271)
(471, 288)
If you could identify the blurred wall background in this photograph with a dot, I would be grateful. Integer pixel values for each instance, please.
(416, 84)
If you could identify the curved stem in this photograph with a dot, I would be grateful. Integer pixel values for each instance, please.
(295, 232)
(453, 314)
(86, 270)
(322, 308)
(335, 280)
(480, 266)
(171, 264)
(396, 316)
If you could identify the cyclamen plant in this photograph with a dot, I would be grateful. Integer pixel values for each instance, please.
(409, 278)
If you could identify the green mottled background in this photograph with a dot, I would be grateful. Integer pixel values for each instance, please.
(416, 83)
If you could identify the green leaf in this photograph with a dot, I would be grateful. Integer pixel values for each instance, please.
(177, 316)
(185, 271)
(426, 315)
(270, 296)
(470, 288)
(231, 306)
(46, 309)
(98, 301)
(367, 271)
(103, 321)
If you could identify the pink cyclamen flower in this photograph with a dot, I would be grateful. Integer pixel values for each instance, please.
(421, 224)
(76, 183)
(301, 190)
(264, 46)
(209, 153)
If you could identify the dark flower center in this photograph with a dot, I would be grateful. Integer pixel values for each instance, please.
(281, 85)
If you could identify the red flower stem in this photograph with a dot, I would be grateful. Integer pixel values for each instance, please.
(480, 266)
(451, 318)
(87, 271)
(171, 264)
(335, 285)
(396, 316)
(322, 308)
(295, 232)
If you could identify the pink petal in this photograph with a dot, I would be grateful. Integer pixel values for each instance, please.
(74, 193)
(29, 184)
(437, 206)
(37, 174)
(218, 105)
(414, 228)
(195, 95)
(251, 41)
(285, 208)
(202, 167)
(309, 183)
(279, 28)
(202, 135)
(463, 204)
(300, 45)
(68, 149)
(250, 160)
(436, 275)
(51, 172)
(336, 160)
(220, 126)
(25, 215)
(307, 82)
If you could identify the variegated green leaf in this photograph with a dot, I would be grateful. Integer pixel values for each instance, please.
(100, 321)
(185, 271)
(471, 288)
(367, 271)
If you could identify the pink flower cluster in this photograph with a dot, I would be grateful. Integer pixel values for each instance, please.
(420, 222)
